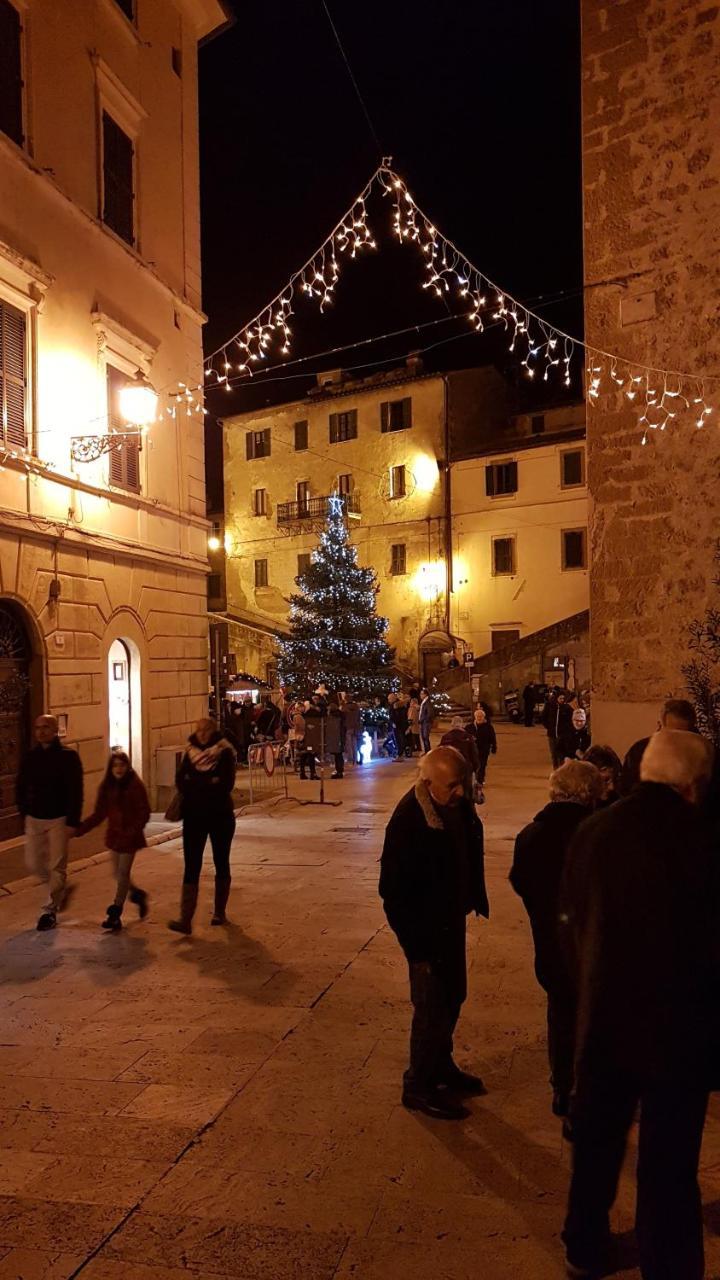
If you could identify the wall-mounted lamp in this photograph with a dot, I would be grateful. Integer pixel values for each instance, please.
(138, 403)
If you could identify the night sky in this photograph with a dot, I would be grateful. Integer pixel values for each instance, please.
(478, 103)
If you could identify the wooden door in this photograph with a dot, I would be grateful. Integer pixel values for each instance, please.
(14, 714)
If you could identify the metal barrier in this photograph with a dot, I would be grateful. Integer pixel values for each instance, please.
(267, 771)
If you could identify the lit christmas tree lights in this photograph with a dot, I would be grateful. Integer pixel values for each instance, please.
(336, 635)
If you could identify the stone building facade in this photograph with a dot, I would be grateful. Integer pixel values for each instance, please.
(103, 563)
(651, 160)
(433, 534)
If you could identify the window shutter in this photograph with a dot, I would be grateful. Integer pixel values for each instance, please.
(333, 428)
(116, 466)
(12, 376)
(385, 416)
(513, 477)
(266, 442)
(10, 72)
(118, 194)
(490, 481)
(249, 446)
(131, 449)
(407, 411)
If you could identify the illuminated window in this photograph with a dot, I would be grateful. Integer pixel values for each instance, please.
(260, 502)
(574, 549)
(503, 556)
(397, 482)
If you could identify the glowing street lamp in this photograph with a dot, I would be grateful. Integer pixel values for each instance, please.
(138, 402)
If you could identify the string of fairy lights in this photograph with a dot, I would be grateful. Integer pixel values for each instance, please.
(545, 352)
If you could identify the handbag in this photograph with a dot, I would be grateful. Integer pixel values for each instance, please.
(173, 813)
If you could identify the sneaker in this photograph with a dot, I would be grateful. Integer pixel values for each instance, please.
(47, 920)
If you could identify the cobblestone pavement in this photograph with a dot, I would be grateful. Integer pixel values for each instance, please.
(228, 1105)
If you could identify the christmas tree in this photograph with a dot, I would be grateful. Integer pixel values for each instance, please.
(335, 635)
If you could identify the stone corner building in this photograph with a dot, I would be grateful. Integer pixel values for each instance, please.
(103, 563)
(651, 157)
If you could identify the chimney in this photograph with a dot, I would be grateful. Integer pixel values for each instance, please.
(414, 362)
(330, 377)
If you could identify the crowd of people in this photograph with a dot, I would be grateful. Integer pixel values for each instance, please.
(617, 875)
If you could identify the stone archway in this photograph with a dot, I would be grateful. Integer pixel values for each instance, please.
(20, 679)
(431, 647)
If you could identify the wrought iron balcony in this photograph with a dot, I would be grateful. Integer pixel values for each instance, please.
(314, 510)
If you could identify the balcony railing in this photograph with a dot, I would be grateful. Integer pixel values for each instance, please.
(315, 509)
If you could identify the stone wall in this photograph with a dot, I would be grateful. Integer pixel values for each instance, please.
(651, 156)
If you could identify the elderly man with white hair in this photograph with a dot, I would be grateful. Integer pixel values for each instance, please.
(639, 913)
(432, 876)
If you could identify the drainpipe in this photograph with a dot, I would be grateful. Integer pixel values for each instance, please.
(448, 509)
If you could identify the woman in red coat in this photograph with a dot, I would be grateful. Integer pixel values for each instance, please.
(122, 799)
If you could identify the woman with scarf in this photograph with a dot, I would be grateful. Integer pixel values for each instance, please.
(205, 780)
(122, 800)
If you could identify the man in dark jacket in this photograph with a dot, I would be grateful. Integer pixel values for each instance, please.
(536, 874)
(432, 876)
(49, 795)
(463, 741)
(676, 713)
(529, 697)
(399, 722)
(483, 731)
(638, 894)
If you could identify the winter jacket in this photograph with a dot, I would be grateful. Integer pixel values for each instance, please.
(485, 738)
(314, 730)
(206, 777)
(432, 875)
(638, 897)
(399, 716)
(573, 743)
(124, 802)
(50, 783)
(353, 717)
(426, 712)
(334, 731)
(268, 722)
(414, 717)
(536, 875)
(465, 744)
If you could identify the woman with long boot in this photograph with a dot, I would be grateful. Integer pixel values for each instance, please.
(122, 799)
(205, 780)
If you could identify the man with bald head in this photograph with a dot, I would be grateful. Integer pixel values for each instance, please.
(49, 795)
(638, 909)
(432, 876)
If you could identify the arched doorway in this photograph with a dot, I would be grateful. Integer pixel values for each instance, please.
(432, 646)
(15, 710)
(125, 700)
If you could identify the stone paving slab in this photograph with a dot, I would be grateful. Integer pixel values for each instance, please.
(227, 1106)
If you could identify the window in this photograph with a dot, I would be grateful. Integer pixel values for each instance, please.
(503, 556)
(574, 551)
(302, 497)
(572, 468)
(398, 563)
(257, 444)
(128, 8)
(501, 478)
(176, 61)
(301, 436)
(343, 426)
(500, 639)
(396, 415)
(12, 376)
(125, 457)
(214, 585)
(260, 502)
(345, 485)
(11, 82)
(118, 185)
(397, 482)
(304, 560)
(261, 573)
(537, 424)
(216, 530)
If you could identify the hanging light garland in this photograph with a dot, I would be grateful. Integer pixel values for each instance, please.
(544, 351)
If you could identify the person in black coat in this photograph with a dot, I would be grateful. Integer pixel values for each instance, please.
(529, 697)
(205, 781)
(432, 876)
(610, 767)
(638, 905)
(574, 738)
(483, 731)
(49, 796)
(536, 874)
(676, 713)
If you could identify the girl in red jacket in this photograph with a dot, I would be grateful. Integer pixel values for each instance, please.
(122, 799)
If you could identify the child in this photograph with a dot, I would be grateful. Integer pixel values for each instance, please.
(122, 799)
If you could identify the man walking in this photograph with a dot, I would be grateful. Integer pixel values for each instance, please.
(529, 697)
(425, 719)
(432, 875)
(639, 918)
(49, 795)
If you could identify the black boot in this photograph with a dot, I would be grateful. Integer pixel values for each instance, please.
(222, 893)
(188, 903)
(113, 921)
(139, 899)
